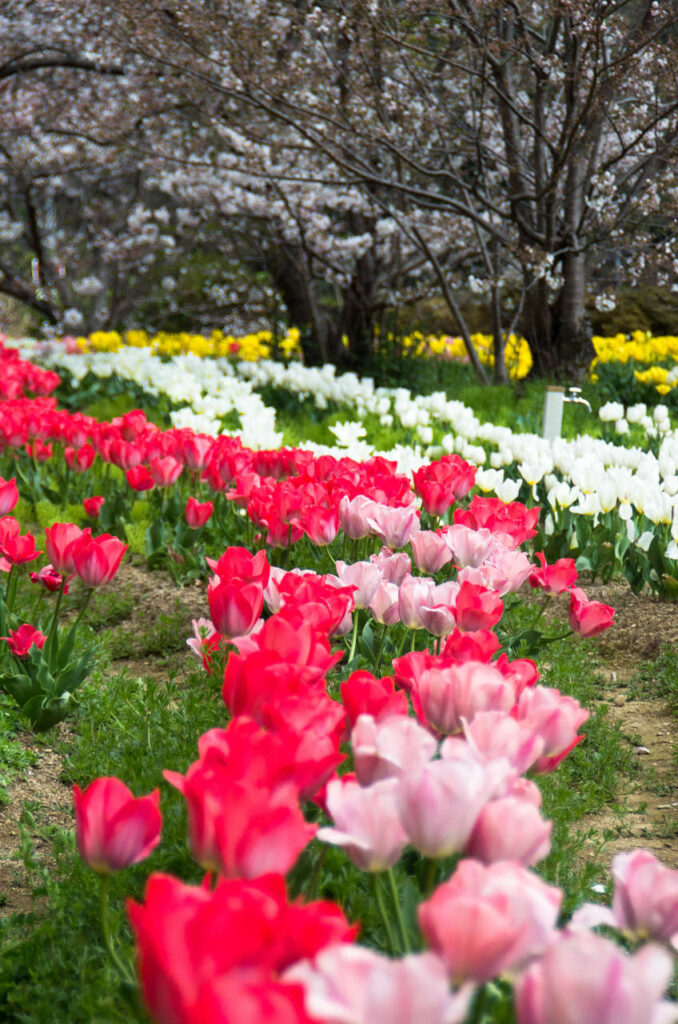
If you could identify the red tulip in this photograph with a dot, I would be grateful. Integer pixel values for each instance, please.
(113, 828)
(477, 608)
(234, 608)
(139, 478)
(554, 579)
(9, 495)
(588, 618)
(16, 548)
(22, 639)
(97, 559)
(49, 578)
(197, 513)
(80, 459)
(165, 471)
(92, 506)
(59, 542)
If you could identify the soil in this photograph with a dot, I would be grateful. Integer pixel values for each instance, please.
(645, 814)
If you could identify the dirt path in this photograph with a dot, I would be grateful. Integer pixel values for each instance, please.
(647, 810)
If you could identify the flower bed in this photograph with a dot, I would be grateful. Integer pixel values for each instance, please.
(326, 573)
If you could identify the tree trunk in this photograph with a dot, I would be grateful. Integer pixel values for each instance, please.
(319, 343)
(572, 341)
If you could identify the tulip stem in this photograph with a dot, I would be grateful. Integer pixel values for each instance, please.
(82, 611)
(104, 889)
(10, 592)
(430, 876)
(377, 664)
(53, 627)
(354, 638)
(378, 895)
(399, 912)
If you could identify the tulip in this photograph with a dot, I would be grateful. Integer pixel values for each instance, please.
(414, 592)
(588, 618)
(395, 526)
(394, 747)
(80, 459)
(368, 823)
(555, 718)
(321, 525)
(510, 829)
(353, 516)
(22, 639)
(494, 734)
(587, 979)
(430, 551)
(440, 802)
(59, 542)
(113, 828)
(443, 698)
(9, 495)
(234, 608)
(165, 471)
(49, 578)
(487, 920)
(356, 984)
(191, 936)
(18, 548)
(384, 605)
(477, 608)
(238, 827)
(197, 513)
(645, 897)
(139, 478)
(556, 578)
(92, 506)
(364, 577)
(97, 559)
(362, 694)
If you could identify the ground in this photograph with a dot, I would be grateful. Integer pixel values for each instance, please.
(146, 619)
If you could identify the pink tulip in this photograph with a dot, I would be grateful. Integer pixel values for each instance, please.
(586, 979)
(469, 547)
(355, 985)
(488, 920)
(395, 567)
(353, 516)
(555, 718)
(440, 803)
(645, 897)
(510, 829)
(113, 828)
(415, 591)
(438, 614)
(395, 526)
(364, 576)
(588, 618)
(367, 823)
(384, 605)
(430, 551)
(389, 749)
(494, 734)
(443, 697)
